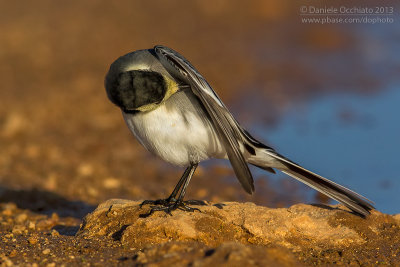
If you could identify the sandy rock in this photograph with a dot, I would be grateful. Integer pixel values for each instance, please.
(111, 183)
(14, 124)
(18, 229)
(244, 229)
(5, 261)
(236, 254)
(20, 218)
(246, 223)
(228, 254)
(32, 240)
(397, 218)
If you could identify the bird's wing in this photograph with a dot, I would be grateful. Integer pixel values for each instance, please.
(228, 129)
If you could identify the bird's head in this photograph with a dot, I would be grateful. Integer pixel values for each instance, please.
(138, 82)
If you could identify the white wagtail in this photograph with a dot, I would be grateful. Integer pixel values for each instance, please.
(176, 115)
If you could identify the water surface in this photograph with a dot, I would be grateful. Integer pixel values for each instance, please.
(352, 139)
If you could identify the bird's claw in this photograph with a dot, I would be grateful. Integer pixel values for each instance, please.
(168, 205)
(162, 202)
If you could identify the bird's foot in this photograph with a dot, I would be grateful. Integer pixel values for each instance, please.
(170, 204)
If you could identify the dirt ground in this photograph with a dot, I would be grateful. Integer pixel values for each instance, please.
(64, 147)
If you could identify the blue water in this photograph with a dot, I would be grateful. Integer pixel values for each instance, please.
(352, 139)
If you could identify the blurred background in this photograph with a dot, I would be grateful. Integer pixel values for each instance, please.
(326, 96)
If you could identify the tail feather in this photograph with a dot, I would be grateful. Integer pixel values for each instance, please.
(350, 199)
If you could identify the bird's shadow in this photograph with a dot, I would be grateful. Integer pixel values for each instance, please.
(46, 203)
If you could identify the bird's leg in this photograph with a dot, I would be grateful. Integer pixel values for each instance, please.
(179, 203)
(171, 203)
(171, 198)
(184, 178)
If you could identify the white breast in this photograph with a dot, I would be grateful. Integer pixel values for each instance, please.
(178, 131)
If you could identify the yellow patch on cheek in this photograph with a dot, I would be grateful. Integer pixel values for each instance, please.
(148, 107)
(172, 88)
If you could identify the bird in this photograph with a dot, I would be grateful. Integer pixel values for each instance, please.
(176, 115)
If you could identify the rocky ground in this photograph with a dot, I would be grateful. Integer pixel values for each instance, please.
(228, 234)
(64, 147)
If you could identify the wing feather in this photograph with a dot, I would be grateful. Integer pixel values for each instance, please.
(225, 125)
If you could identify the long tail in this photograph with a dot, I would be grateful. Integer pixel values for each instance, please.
(267, 158)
